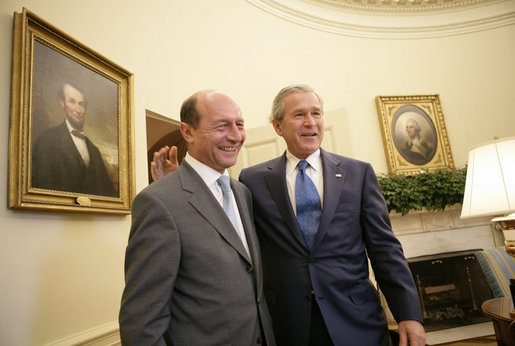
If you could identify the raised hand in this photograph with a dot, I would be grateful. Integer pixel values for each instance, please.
(164, 162)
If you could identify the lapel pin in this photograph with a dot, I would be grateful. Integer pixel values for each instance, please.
(338, 175)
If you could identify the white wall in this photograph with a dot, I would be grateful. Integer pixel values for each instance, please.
(63, 273)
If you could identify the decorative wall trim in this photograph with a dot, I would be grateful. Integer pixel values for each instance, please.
(107, 334)
(392, 26)
(400, 5)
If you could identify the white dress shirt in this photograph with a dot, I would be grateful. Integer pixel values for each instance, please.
(314, 172)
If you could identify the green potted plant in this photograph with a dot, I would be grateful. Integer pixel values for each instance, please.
(432, 190)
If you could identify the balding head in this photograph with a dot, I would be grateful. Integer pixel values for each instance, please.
(200, 102)
(212, 124)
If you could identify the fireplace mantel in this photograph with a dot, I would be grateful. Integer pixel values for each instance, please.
(432, 232)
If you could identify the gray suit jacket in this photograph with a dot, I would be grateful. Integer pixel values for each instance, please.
(189, 280)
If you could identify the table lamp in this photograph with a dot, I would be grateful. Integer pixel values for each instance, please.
(490, 184)
(490, 188)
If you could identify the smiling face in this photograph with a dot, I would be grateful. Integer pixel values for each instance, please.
(302, 124)
(217, 138)
(74, 106)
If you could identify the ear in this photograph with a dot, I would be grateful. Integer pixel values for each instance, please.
(186, 131)
(277, 127)
(61, 102)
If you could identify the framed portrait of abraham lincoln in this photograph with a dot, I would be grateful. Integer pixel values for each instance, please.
(414, 133)
(71, 124)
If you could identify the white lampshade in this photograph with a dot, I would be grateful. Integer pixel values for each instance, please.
(490, 184)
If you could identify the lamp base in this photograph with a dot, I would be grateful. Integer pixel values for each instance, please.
(507, 224)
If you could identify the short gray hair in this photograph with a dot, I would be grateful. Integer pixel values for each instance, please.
(278, 103)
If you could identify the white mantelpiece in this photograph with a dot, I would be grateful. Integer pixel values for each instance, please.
(427, 233)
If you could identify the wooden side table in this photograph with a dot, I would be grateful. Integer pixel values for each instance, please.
(498, 309)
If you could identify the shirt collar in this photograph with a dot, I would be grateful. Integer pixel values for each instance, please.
(314, 161)
(208, 174)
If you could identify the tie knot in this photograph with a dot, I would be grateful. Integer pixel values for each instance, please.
(224, 182)
(302, 165)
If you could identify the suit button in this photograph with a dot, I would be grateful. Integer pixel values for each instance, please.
(250, 269)
(258, 301)
(312, 261)
(259, 340)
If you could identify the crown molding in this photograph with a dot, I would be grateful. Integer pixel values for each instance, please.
(400, 6)
(483, 16)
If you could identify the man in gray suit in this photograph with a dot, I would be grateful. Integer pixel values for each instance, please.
(193, 275)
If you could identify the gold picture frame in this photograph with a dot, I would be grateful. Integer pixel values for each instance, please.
(59, 85)
(414, 133)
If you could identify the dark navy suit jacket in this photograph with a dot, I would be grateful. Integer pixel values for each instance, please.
(354, 223)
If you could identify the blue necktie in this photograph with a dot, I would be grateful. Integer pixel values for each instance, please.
(308, 205)
(225, 184)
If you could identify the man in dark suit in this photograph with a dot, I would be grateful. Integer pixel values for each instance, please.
(193, 274)
(64, 159)
(318, 290)
(317, 285)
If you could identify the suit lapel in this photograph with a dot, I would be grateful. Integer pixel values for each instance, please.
(334, 178)
(247, 220)
(276, 181)
(206, 204)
